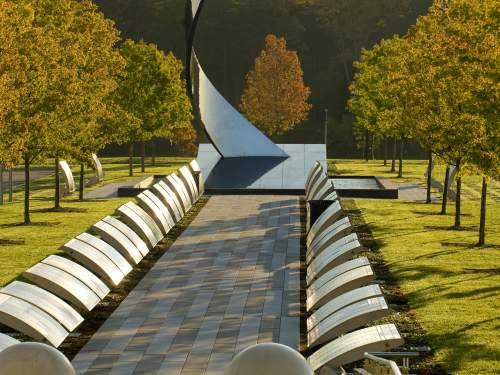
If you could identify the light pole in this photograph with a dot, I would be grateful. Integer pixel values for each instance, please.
(326, 128)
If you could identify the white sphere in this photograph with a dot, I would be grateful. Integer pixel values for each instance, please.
(30, 358)
(268, 359)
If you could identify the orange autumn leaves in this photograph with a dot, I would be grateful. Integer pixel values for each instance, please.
(275, 97)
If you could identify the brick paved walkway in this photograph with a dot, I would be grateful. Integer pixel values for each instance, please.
(230, 280)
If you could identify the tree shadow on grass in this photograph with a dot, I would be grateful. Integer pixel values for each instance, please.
(9, 242)
(61, 209)
(32, 224)
(460, 350)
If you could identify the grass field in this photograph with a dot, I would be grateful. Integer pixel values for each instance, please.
(452, 286)
(52, 229)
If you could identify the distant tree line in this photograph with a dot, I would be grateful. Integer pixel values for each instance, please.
(70, 86)
(327, 34)
(439, 85)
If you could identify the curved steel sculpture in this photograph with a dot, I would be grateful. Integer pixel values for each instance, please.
(231, 134)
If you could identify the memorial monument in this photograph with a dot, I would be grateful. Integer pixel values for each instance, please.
(239, 156)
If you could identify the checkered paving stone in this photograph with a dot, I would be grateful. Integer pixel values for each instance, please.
(231, 280)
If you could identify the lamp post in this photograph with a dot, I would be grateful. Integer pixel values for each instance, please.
(326, 128)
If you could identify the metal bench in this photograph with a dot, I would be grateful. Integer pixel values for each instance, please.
(119, 241)
(340, 228)
(94, 260)
(313, 175)
(346, 281)
(174, 182)
(129, 233)
(189, 182)
(163, 208)
(348, 319)
(151, 208)
(46, 301)
(317, 252)
(69, 281)
(342, 301)
(195, 169)
(352, 346)
(170, 199)
(30, 320)
(332, 257)
(336, 271)
(114, 255)
(142, 224)
(327, 218)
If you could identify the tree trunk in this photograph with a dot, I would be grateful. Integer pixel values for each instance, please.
(27, 219)
(482, 220)
(131, 159)
(429, 178)
(1, 184)
(11, 187)
(445, 190)
(385, 150)
(143, 156)
(367, 144)
(82, 177)
(57, 195)
(401, 151)
(394, 152)
(458, 196)
(153, 152)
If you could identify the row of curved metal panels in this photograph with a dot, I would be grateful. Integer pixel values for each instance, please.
(341, 295)
(64, 287)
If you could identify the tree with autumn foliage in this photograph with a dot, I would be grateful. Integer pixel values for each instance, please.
(152, 90)
(275, 97)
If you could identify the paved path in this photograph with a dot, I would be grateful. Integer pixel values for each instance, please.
(230, 280)
(407, 191)
(111, 190)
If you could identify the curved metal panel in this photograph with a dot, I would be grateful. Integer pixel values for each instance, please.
(30, 320)
(119, 241)
(154, 211)
(329, 216)
(169, 200)
(342, 301)
(332, 245)
(129, 234)
(353, 346)
(46, 301)
(163, 208)
(231, 133)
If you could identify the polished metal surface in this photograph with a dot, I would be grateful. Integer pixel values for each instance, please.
(183, 188)
(30, 320)
(342, 301)
(314, 174)
(81, 273)
(68, 176)
(325, 191)
(99, 172)
(327, 218)
(348, 319)
(129, 233)
(167, 199)
(179, 191)
(119, 241)
(46, 301)
(346, 281)
(163, 208)
(334, 272)
(332, 257)
(141, 223)
(316, 186)
(108, 250)
(352, 346)
(63, 285)
(94, 260)
(188, 180)
(155, 212)
(174, 195)
(340, 228)
(195, 168)
(331, 245)
(6, 341)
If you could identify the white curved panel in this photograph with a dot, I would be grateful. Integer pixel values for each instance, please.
(327, 218)
(352, 346)
(349, 280)
(119, 241)
(348, 319)
(108, 250)
(168, 201)
(342, 301)
(129, 233)
(6, 341)
(46, 301)
(30, 320)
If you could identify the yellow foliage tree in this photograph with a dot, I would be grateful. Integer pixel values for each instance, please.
(275, 97)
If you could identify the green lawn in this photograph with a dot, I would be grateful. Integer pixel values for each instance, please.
(453, 288)
(42, 240)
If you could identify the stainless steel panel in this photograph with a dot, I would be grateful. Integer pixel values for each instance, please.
(129, 233)
(119, 241)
